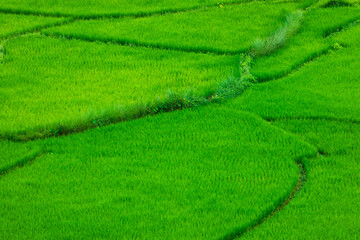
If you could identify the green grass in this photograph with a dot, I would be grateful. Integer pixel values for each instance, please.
(319, 103)
(331, 194)
(78, 82)
(328, 88)
(227, 29)
(13, 154)
(336, 3)
(194, 174)
(93, 8)
(310, 42)
(12, 24)
(349, 36)
(228, 169)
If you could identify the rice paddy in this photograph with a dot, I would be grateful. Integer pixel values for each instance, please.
(13, 24)
(230, 29)
(179, 119)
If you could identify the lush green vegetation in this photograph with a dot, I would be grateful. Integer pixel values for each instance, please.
(318, 91)
(320, 104)
(331, 194)
(335, 3)
(251, 159)
(13, 154)
(179, 174)
(86, 81)
(312, 40)
(93, 8)
(12, 24)
(228, 29)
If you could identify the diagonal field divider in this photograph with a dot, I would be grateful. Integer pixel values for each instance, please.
(315, 37)
(34, 29)
(26, 160)
(226, 90)
(174, 101)
(225, 33)
(135, 43)
(2, 54)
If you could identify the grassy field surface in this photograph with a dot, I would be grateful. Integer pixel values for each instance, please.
(13, 154)
(320, 104)
(269, 149)
(195, 174)
(318, 91)
(12, 24)
(311, 41)
(349, 37)
(336, 3)
(88, 80)
(231, 28)
(91, 8)
(331, 194)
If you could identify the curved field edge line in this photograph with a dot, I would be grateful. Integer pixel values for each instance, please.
(35, 29)
(26, 160)
(297, 67)
(139, 14)
(277, 207)
(315, 55)
(289, 27)
(135, 43)
(342, 27)
(334, 3)
(294, 183)
(228, 89)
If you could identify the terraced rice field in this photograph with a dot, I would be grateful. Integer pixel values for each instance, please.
(179, 119)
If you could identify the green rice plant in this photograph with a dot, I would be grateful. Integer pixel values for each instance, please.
(321, 104)
(336, 3)
(280, 37)
(328, 88)
(230, 29)
(13, 24)
(348, 37)
(218, 171)
(74, 79)
(2, 53)
(15, 154)
(113, 8)
(311, 41)
(331, 193)
(193, 174)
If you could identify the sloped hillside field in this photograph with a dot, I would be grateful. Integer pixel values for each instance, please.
(179, 119)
